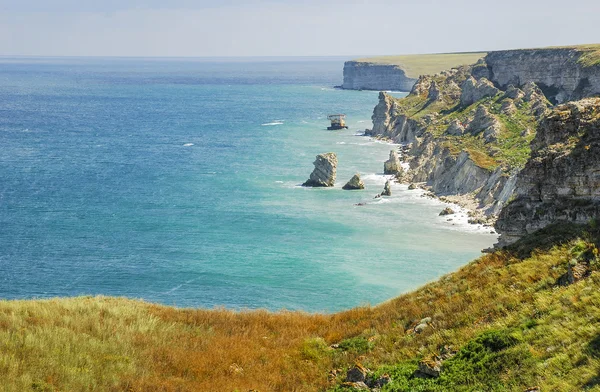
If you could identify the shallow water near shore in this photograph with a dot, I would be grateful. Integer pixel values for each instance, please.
(177, 181)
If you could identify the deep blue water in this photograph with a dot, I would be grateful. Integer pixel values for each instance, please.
(175, 180)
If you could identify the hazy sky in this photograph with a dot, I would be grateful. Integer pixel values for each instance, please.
(289, 28)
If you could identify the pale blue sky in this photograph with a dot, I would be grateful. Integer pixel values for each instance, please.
(288, 28)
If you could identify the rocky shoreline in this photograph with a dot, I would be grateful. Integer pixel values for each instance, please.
(471, 141)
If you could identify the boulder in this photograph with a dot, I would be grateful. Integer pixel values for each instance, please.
(412, 186)
(354, 183)
(480, 70)
(447, 211)
(392, 165)
(357, 374)
(387, 189)
(325, 171)
(474, 90)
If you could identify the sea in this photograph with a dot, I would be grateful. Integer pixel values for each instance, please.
(177, 181)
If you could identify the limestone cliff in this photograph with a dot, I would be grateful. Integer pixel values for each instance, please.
(325, 171)
(369, 76)
(459, 138)
(561, 181)
(562, 73)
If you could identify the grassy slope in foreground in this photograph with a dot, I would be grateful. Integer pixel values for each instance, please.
(542, 334)
(416, 65)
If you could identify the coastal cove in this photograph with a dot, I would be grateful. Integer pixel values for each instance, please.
(177, 181)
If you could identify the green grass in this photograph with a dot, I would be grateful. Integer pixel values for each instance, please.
(510, 323)
(426, 64)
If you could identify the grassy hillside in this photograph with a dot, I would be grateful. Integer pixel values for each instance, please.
(510, 322)
(426, 64)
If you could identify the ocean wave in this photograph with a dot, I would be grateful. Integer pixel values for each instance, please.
(188, 144)
(272, 123)
(340, 142)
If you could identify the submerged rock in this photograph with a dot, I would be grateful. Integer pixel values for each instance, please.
(354, 183)
(325, 171)
(392, 165)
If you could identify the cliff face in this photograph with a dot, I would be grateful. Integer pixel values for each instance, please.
(561, 181)
(463, 136)
(559, 72)
(369, 76)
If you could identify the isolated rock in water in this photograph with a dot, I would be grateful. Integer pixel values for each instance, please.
(455, 128)
(392, 165)
(354, 183)
(324, 172)
(412, 186)
(473, 90)
(387, 189)
(447, 211)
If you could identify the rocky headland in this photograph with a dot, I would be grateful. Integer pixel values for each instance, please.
(474, 138)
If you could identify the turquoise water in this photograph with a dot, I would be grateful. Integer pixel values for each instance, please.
(176, 181)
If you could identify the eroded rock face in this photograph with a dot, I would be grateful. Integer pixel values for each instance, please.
(561, 180)
(508, 107)
(456, 128)
(392, 165)
(325, 171)
(474, 90)
(355, 183)
(397, 127)
(557, 70)
(486, 123)
(434, 93)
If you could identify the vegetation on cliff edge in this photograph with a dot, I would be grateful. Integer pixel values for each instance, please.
(511, 323)
(415, 65)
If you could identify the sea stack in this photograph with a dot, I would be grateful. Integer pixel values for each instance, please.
(392, 165)
(325, 171)
(354, 183)
(387, 189)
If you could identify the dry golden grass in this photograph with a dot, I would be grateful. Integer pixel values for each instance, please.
(117, 344)
(415, 65)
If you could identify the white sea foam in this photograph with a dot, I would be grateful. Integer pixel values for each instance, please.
(188, 144)
(272, 123)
